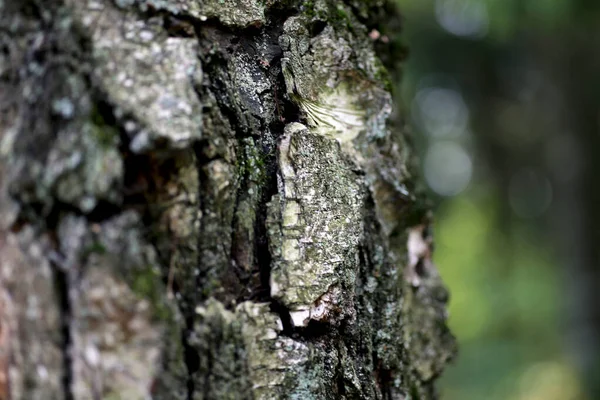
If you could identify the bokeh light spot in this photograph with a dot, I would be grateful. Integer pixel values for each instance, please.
(448, 168)
(441, 112)
(467, 18)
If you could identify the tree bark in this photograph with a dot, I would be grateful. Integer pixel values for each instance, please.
(210, 200)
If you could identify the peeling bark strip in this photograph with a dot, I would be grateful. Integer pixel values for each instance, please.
(209, 200)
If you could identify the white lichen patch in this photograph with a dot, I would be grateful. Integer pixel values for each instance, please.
(291, 249)
(148, 74)
(291, 214)
(316, 229)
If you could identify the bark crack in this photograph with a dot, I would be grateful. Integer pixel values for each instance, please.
(63, 289)
(191, 358)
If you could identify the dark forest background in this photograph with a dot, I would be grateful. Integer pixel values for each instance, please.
(503, 97)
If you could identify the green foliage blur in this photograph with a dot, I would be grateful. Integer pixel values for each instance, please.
(504, 306)
(487, 87)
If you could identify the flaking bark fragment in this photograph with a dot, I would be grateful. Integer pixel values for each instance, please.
(146, 74)
(321, 225)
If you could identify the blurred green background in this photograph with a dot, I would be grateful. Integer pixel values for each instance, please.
(503, 98)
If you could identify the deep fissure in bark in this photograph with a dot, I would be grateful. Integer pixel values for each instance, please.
(263, 254)
(191, 358)
(61, 281)
(243, 42)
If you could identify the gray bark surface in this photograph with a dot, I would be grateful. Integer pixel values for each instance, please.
(210, 200)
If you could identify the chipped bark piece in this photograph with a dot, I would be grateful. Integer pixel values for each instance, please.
(420, 264)
(235, 13)
(321, 225)
(432, 345)
(232, 13)
(147, 75)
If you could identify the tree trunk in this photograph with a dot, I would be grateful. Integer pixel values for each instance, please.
(209, 200)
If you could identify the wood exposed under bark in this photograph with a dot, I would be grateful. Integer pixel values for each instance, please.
(210, 200)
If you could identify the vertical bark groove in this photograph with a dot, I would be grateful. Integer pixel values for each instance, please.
(62, 288)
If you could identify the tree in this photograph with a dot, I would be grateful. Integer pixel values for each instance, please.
(210, 200)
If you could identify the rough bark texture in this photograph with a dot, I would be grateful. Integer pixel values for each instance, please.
(209, 200)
